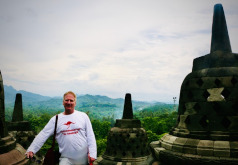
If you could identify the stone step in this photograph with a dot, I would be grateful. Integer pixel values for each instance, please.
(16, 156)
(24, 161)
(8, 146)
(5, 140)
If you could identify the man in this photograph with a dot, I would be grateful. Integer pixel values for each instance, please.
(74, 135)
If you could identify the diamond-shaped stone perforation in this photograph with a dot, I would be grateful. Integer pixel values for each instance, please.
(133, 154)
(225, 93)
(142, 153)
(206, 94)
(234, 81)
(182, 108)
(226, 122)
(124, 153)
(197, 107)
(217, 82)
(187, 120)
(204, 122)
(200, 82)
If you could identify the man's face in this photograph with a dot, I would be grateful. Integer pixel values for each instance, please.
(69, 103)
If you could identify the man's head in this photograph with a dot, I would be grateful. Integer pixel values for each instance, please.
(69, 102)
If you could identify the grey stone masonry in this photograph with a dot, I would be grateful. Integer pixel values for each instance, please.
(127, 141)
(207, 127)
(18, 110)
(3, 128)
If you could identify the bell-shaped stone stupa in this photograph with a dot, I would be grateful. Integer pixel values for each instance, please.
(207, 129)
(127, 141)
(10, 151)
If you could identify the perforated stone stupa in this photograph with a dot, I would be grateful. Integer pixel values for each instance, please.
(207, 129)
(18, 128)
(10, 151)
(127, 141)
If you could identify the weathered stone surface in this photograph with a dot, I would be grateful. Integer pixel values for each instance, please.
(18, 110)
(190, 146)
(220, 37)
(178, 144)
(127, 141)
(18, 126)
(205, 148)
(207, 130)
(10, 151)
(128, 123)
(7, 144)
(222, 148)
(3, 128)
(15, 156)
(128, 111)
(24, 138)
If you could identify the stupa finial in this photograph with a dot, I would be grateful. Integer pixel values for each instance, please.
(128, 111)
(220, 37)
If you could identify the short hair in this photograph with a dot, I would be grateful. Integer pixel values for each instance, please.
(72, 93)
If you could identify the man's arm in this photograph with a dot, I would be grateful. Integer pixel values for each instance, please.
(40, 139)
(92, 146)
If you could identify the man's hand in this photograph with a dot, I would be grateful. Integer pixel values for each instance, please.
(29, 154)
(90, 160)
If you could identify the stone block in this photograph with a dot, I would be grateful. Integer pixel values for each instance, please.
(222, 148)
(157, 151)
(178, 144)
(166, 145)
(205, 148)
(234, 149)
(234, 123)
(190, 146)
(172, 139)
(217, 123)
(164, 137)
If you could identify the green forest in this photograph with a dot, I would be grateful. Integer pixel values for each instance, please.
(156, 120)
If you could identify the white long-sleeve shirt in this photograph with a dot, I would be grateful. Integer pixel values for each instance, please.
(74, 135)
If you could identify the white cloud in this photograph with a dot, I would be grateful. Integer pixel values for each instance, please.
(104, 47)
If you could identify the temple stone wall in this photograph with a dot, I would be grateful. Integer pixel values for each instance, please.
(207, 128)
(10, 151)
(127, 141)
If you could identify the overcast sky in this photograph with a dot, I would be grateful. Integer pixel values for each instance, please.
(106, 47)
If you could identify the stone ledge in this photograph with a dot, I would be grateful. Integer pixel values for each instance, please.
(15, 156)
(171, 158)
(217, 148)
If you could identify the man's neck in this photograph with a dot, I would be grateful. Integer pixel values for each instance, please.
(68, 112)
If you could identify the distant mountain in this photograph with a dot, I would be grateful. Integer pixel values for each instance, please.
(10, 95)
(97, 105)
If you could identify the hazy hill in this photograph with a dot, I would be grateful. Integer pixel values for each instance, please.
(10, 95)
(95, 104)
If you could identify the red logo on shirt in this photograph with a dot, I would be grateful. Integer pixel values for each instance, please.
(68, 124)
